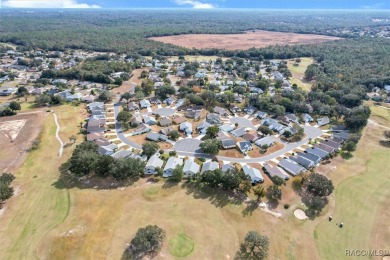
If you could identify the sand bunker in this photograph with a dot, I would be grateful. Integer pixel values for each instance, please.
(300, 214)
(12, 128)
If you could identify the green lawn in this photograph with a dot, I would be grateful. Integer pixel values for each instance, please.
(361, 200)
(299, 71)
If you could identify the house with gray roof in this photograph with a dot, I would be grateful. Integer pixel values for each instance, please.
(202, 127)
(209, 166)
(275, 171)
(273, 124)
(325, 147)
(261, 114)
(121, 154)
(307, 118)
(141, 129)
(323, 121)
(228, 143)
(145, 103)
(227, 167)
(164, 121)
(226, 128)
(239, 132)
(312, 157)
(149, 120)
(186, 127)
(244, 146)
(332, 143)
(132, 106)
(108, 149)
(153, 163)
(268, 141)
(291, 167)
(316, 151)
(253, 173)
(136, 120)
(213, 119)
(190, 168)
(302, 161)
(171, 164)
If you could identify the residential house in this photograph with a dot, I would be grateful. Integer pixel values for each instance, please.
(316, 151)
(292, 118)
(108, 149)
(213, 119)
(193, 115)
(261, 114)
(94, 136)
(307, 118)
(145, 103)
(302, 161)
(323, 121)
(156, 137)
(171, 164)
(136, 120)
(312, 157)
(332, 143)
(338, 128)
(121, 154)
(226, 128)
(149, 120)
(234, 109)
(169, 101)
(153, 163)
(190, 168)
(209, 166)
(325, 147)
(268, 141)
(253, 173)
(239, 132)
(221, 111)
(96, 124)
(186, 127)
(227, 167)
(251, 136)
(291, 167)
(273, 124)
(155, 101)
(141, 129)
(178, 119)
(275, 171)
(202, 127)
(244, 146)
(132, 106)
(166, 130)
(250, 110)
(164, 121)
(228, 143)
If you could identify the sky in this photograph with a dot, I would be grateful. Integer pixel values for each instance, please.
(200, 4)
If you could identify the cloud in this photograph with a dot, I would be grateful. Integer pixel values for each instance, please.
(195, 4)
(46, 4)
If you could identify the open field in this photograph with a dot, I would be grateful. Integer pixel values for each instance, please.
(38, 205)
(298, 72)
(362, 197)
(243, 41)
(16, 136)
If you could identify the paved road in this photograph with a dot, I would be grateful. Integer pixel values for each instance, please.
(57, 136)
(118, 129)
(311, 132)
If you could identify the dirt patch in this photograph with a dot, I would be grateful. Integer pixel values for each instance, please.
(234, 153)
(165, 146)
(256, 150)
(16, 135)
(243, 41)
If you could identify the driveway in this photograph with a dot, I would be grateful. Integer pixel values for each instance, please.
(118, 129)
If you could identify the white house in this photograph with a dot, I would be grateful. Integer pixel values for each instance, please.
(153, 163)
(191, 168)
(172, 163)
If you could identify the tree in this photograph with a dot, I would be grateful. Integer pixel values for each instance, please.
(42, 100)
(149, 148)
(105, 96)
(126, 96)
(318, 185)
(265, 130)
(122, 169)
(124, 118)
(212, 131)
(255, 246)
(103, 165)
(73, 138)
(164, 91)
(259, 192)
(22, 92)
(147, 87)
(349, 146)
(177, 174)
(13, 105)
(278, 181)
(211, 146)
(83, 158)
(173, 135)
(274, 193)
(147, 240)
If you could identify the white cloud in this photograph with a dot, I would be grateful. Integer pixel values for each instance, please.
(195, 4)
(46, 4)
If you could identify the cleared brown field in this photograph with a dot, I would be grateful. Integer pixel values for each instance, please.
(242, 41)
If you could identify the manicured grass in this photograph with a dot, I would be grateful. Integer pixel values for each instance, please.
(361, 200)
(39, 207)
(181, 245)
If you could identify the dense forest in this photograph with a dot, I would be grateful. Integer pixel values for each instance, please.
(124, 31)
